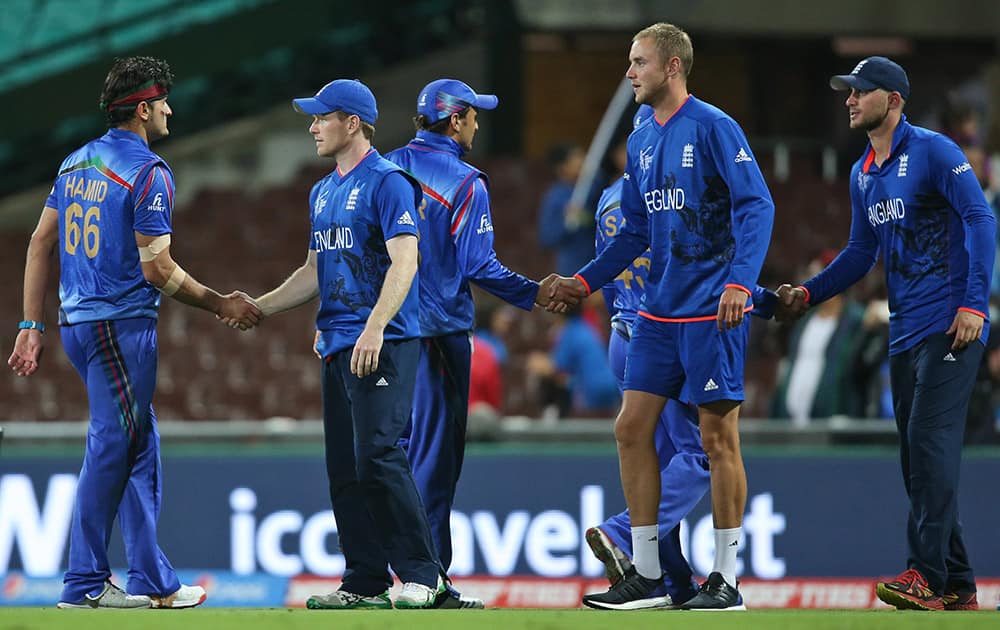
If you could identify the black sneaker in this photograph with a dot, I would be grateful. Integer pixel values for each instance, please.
(715, 594)
(632, 592)
(451, 599)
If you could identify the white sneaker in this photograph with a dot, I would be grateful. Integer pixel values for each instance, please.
(110, 597)
(416, 595)
(185, 597)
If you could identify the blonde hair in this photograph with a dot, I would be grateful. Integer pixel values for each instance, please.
(670, 41)
(367, 131)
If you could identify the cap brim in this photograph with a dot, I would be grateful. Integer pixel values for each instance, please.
(848, 81)
(311, 106)
(486, 101)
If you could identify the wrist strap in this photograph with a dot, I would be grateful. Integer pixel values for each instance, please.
(31, 325)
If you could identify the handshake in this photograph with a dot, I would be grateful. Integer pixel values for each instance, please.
(791, 303)
(239, 310)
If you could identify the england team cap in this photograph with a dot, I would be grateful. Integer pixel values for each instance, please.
(343, 95)
(644, 113)
(873, 73)
(442, 98)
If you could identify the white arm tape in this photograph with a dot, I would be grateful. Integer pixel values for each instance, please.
(174, 282)
(155, 247)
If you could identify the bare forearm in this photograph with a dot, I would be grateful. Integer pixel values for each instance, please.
(194, 293)
(398, 280)
(300, 287)
(36, 272)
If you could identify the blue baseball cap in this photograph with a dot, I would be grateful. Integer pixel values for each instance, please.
(644, 113)
(873, 73)
(442, 98)
(343, 95)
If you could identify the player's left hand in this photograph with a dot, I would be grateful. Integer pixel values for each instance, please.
(27, 352)
(364, 359)
(731, 306)
(967, 327)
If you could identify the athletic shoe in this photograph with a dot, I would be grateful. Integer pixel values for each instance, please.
(715, 594)
(110, 597)
(452, 599)
(965, 600)
(909, 591)
(185, 597)
(417, 595)
(346, 600)
(632, 592)
(616, 563)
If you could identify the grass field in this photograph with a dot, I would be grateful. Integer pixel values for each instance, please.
(291, 619)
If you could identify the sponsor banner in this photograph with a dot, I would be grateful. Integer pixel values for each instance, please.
(513, 516)
(529, 592)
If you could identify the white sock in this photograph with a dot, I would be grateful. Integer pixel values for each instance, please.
(726, 545)
(646, 551)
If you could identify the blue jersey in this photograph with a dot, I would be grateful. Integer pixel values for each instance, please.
(694, 195)
(106, 191)
(924, 209)
(623, 296)
(456, 237)
(353, 215)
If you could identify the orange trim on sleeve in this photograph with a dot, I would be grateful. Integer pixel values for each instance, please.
(808, 297)
(685, 320)
(740, 287)
(973, 311)
(583, 282)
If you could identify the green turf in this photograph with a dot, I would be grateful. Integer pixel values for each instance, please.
(281, 619)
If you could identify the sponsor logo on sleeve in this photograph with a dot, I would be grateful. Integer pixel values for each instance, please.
(961, 168)
(742, 156)
(156, 205)
(484, 225)
(406, 219)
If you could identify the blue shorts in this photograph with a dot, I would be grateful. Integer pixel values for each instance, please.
(664, 356)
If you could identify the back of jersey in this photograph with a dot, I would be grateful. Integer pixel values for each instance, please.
(97, 193)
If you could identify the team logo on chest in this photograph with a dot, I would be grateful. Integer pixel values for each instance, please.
(903, 159)
(352, 198)
(687, 156)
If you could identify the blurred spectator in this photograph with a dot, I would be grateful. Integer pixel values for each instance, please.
(486, 380)
(869, 365)
(815, 377)
(493, 322)
(576, 375)
(563, 228)
(984, 404)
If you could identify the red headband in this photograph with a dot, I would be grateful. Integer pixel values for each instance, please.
(146, 92)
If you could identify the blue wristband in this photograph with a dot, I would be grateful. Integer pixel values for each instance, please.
(31, 325)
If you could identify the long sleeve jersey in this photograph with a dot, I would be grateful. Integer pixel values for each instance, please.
(623, 295)
(694, 195)
(924, 209)
(456, 237)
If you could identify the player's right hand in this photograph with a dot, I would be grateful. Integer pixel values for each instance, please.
(563, 293)
(240, 311)
(793, 299)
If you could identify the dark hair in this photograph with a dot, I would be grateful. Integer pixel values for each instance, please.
(422, 123)
(559, 153)
(126, 76)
